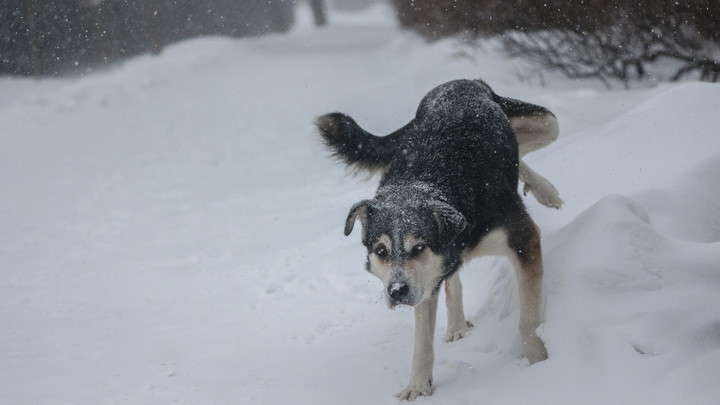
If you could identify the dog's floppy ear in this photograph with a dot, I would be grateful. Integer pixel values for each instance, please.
(450, 221)
(358, 211)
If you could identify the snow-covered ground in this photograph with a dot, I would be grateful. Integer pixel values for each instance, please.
(171, 232)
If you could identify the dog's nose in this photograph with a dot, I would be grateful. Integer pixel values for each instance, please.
(398, 291)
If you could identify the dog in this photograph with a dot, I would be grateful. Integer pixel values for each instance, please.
(449, 193)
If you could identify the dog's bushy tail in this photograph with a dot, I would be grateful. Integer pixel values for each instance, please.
(356, 147)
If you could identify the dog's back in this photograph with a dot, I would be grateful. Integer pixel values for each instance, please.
(458, 132)
(454, 117)
(457, 100)
(460, 142)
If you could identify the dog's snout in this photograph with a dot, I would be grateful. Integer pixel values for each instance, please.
(398, 291)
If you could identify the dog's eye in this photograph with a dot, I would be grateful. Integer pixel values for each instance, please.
(417, 250)
(381, 252)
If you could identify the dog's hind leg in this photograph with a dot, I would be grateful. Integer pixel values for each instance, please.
(535, 127)
(526, 257)
(534, 131)
(540, 187)
(423, 355)
(458, 327)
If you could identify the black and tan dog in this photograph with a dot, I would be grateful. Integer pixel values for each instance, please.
(449, 193)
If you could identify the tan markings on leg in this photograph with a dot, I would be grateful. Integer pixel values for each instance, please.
(527, 261)
(540, 187)
(423, 354)
(458, 326)
(534, 131)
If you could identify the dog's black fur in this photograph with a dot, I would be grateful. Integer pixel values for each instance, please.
(460, 147)
(449, 192)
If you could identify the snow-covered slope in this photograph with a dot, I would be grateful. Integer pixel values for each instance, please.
(172, 233)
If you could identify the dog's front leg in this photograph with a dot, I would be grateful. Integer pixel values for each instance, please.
(423, 355)
(458, 327)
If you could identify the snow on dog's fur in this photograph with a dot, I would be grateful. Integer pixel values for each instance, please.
(448, 193)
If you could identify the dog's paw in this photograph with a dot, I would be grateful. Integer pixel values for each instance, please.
(457, 333)
(544, 192)
(534, 350)
(415, 390)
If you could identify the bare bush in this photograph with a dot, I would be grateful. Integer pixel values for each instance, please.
(601, 39)
(623, 49)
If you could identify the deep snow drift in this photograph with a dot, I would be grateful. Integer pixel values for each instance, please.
(172, 233)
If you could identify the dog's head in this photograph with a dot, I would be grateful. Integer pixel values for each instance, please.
(409, 243)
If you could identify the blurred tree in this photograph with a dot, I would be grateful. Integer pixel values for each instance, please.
(153, 13)
(32, 36)
(50, 37)
(319, 12)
